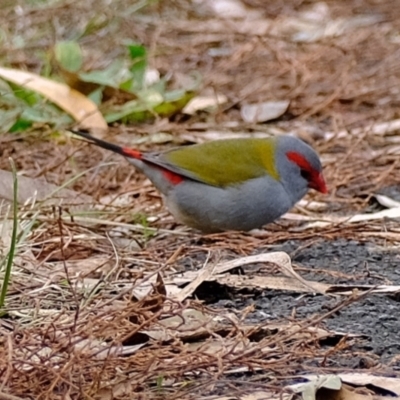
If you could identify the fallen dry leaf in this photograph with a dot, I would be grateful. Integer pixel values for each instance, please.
(384, 382)
(309, 389)
(82, 109)
(37, 189)
(262, 112)
(204, 102)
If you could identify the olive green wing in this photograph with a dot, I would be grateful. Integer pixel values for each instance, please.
(222, 162)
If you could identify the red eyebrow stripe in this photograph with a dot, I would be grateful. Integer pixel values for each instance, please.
(317, 180)
(299, 160)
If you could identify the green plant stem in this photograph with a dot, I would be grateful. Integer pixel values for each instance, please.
(11, 253)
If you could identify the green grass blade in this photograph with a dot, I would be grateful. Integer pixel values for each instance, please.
(11, 253)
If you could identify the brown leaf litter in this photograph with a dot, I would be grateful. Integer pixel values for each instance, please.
(91, 310)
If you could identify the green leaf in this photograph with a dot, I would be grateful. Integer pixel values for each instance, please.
(111, 76)
(160, 86)
(118, 113)
(136, 110)
(138, 71)
(149, 104)
(96, 96)
(8, 118)
(20, 126)
(171, 107)
(150, 98)
(138, 54)
(28, 96)
(44, 113)
(127, 85)
(174, 95)
(69, 55)
(137, 51)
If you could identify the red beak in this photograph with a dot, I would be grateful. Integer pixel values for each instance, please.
(318, 183)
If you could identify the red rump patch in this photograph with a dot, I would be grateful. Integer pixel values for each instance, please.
(174, 178)
(132, 153)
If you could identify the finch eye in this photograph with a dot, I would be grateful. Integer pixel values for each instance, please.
(306, 175)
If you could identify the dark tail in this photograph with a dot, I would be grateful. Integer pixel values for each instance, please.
(124, 151)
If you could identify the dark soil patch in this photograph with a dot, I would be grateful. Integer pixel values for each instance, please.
(376, 318)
